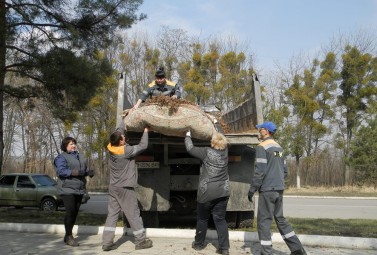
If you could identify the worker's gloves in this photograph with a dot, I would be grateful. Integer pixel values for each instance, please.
(90, 173)
(188, 133)
(76, 172)
(250, 196)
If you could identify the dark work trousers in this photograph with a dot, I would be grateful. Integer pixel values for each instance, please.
(270, 206)
(218, 209)
(125, 200)
(72, 206)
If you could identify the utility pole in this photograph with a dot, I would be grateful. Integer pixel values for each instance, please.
(258, 99)
(121, 95)
(123, 102)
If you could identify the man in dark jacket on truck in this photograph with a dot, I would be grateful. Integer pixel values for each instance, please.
(159, 87)
(268, 179)
(122, 195)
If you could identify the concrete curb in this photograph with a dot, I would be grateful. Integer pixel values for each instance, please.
(294, 196)
(332, 197)
(242, 236)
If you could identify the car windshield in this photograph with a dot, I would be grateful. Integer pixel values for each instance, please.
(44, 180)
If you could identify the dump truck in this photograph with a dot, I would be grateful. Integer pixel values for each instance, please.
(168, 175)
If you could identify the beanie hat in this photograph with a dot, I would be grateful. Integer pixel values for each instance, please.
(160, 73)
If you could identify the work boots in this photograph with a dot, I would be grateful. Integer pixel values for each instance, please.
(147, 243)
(299, 252)
(222, 252)
(69, 240)
(198, 246)
(109, 247)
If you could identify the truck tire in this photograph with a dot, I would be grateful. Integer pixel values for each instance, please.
(245, 219)
(150, 219)
(231, 219)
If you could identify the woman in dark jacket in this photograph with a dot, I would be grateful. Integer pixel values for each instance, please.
(71, 169)
(213, 190)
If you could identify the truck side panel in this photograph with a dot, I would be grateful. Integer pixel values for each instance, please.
(244, 117)
(240, 173)
(153, 190)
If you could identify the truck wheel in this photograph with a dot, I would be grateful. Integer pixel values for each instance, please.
(150, 219)
(245, 219)
(231, 219)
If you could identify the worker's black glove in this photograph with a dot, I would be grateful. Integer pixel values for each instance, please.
(250, 196)
(90, 173)
(76, 172)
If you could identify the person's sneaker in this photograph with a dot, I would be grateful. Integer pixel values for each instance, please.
(109, 247)
(147, 243)
(222, 252)
(299, 252)
(71, 241)
(197, 246)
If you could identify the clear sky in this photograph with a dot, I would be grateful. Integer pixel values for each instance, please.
(275, 30)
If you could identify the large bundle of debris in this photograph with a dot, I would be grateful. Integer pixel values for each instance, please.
(172, 117)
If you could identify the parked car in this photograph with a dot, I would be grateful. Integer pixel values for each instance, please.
(31, 190)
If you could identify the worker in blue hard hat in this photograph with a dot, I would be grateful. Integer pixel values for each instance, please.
(270, 126)
(268, 179)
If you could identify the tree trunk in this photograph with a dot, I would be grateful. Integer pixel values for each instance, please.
(347, 172)
(3, 35)
(298, 180)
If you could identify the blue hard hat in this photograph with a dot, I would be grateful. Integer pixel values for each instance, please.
(270, 126)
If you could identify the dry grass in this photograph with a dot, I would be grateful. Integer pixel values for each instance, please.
(33, 215)
(344, 191)
(331, 227)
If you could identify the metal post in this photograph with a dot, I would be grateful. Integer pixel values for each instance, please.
(258, 100)
(120, 104)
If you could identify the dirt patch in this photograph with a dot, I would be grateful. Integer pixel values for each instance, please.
(340, 191)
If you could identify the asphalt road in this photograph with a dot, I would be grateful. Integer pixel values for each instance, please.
(297, 207)
(331, 208)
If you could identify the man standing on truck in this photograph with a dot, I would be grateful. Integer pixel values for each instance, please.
(270, 172)
(213, 191)
(122, 194)
(160, 86)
